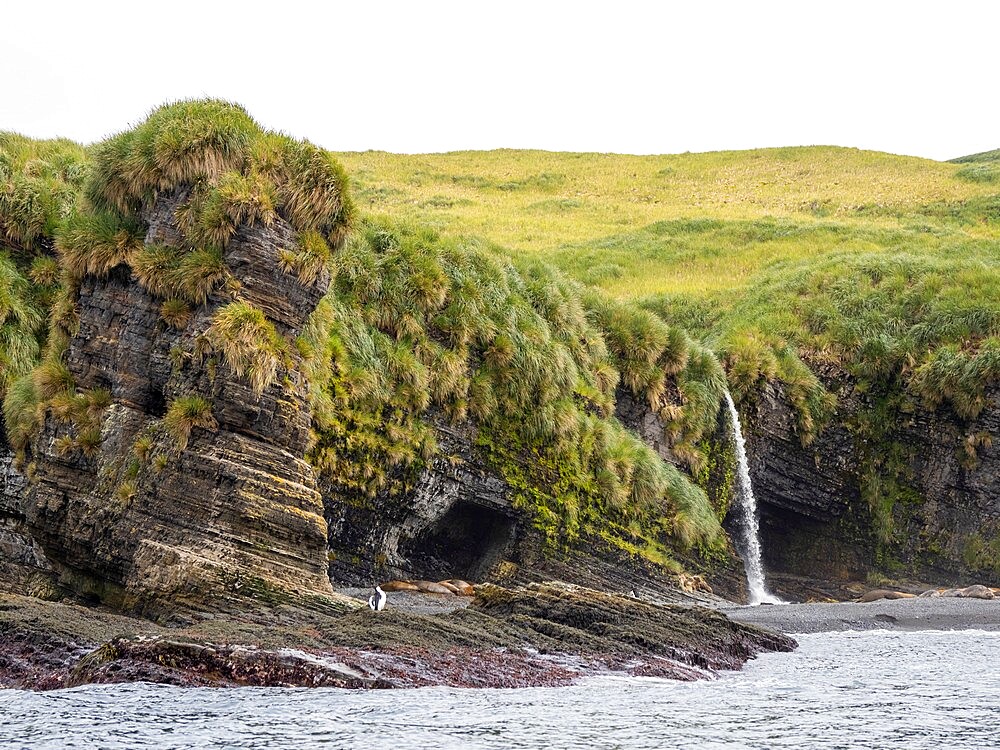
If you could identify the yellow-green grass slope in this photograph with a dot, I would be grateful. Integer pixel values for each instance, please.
(781, 261)
(751, 251)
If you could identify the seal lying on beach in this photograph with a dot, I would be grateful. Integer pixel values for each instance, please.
(399, 586)
(975, 591)
(874, 596)
(462, 588)
(454, 586)
(429, 587)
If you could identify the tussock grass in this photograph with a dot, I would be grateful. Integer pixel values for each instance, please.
(417, 327)
(21, 319)
(309, 260)
(249, 343)
(21, 415)
(184, 414)
(175, 313)
(39, 185)
(170, 273)
(242, 174)
(96, 242)
(39, 181)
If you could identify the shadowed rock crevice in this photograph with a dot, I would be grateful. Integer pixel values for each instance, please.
(456, 520)
(927, 478)
(467, 542)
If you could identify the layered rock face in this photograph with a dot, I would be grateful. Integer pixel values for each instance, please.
(23, 566)
(635, 413)
(457, 520)
(955, 465)
(146, 519)
(816, 522)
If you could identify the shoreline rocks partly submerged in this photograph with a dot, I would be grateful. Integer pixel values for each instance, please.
(539, 635)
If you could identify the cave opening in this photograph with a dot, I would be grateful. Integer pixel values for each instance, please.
(466, 542)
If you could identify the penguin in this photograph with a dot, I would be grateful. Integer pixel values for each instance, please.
(377, 600)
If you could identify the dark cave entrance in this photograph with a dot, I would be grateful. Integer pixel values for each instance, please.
(466, 542)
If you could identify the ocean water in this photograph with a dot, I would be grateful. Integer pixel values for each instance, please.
(875, 689)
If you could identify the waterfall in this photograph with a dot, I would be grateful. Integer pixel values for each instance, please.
(750, 523)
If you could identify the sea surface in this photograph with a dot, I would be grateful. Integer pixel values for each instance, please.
(875, 689)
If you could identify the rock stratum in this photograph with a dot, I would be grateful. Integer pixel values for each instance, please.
(917, 500)
(236, 505)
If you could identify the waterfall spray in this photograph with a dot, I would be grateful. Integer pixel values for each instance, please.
(750, 523)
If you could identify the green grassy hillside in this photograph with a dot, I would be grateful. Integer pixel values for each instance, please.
(866, 258)
(583, 209)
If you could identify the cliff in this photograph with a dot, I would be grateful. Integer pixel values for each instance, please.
(165, 428)
(904, 492)
(220, 381)
(240, 390)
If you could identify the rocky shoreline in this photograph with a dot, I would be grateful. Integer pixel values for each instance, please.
(539, 635)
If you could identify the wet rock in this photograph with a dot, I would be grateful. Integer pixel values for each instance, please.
(543, 634)
(192, 664)
(581, 620)
(23, 565)
(814, 521)
(635, 414)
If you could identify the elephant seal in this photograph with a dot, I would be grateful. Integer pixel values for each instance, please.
(874, 596)
(448, 585)
(464, 588)
(399, 586)
(430, 587)
(930, 593)
(976, 591)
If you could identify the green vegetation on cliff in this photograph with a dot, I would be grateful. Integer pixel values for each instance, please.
(94, 212)
(767, 256)
(39, 185)
(420, 331)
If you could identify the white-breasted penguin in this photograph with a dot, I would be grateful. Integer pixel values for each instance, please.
(377, 600)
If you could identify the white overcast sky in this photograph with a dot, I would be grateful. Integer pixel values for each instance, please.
(652, 77)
